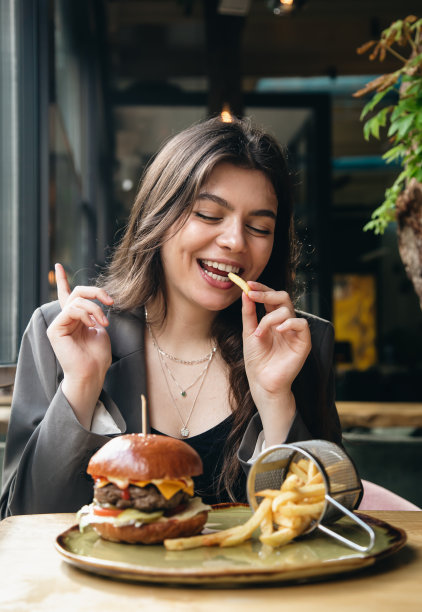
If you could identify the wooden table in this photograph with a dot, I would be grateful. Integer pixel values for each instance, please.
(34, 577)
(352, 414)
(379, 414)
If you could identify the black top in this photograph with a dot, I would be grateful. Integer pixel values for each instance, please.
(210, 445)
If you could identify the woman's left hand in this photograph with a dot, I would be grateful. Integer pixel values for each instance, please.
(276, 349)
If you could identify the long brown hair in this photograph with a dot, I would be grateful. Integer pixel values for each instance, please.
(166, 195)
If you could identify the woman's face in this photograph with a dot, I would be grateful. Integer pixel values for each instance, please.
(230, 229)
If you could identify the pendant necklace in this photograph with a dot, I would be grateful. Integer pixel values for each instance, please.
(184, 431)
(162, 355)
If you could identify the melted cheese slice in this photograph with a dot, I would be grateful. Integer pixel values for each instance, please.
(167, 487)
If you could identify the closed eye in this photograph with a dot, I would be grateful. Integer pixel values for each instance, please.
(262, 232)
(207, 217)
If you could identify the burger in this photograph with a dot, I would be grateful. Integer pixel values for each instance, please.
(143, 490)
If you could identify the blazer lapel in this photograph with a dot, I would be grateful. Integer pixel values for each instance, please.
(126, 378)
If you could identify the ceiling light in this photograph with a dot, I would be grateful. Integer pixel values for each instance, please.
(284, 7)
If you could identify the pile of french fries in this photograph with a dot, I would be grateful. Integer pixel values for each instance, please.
(282, 515)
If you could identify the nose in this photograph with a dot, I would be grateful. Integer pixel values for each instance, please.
(232, 236)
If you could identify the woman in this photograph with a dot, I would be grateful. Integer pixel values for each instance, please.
(225, 374)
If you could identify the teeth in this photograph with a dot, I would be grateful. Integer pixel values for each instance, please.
(217, 277)
(221, 266)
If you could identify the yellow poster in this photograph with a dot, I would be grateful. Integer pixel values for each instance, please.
(355, 318)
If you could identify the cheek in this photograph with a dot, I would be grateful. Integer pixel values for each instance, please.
(180, 246)
(263, 254)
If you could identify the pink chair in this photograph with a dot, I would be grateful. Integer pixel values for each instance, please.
(378, 498)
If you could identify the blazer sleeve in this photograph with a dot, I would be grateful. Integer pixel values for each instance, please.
(314, 390)
(47, 449)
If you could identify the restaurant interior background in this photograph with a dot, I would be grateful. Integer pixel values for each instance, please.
(90, 89)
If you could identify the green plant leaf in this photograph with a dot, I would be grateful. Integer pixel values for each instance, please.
(373, 125)
(394, 153)
(415, 61)
(401, 126)
(375, 100)
(403, 115)
(405, 125)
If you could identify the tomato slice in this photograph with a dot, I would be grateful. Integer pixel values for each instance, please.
(100, 511)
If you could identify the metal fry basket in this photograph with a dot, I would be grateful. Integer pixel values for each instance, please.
(343, 488)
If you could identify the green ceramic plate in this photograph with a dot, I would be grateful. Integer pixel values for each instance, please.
(313, 556)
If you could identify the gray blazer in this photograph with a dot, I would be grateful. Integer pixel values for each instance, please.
(47, 449)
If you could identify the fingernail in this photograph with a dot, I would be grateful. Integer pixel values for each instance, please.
(258, 332)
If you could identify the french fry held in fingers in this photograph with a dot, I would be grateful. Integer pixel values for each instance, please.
(239, 282)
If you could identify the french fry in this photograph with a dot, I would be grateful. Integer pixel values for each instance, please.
(292, 509)
(301, 509)
(209, 539)
(292, 522)
(294, 467)
(227, 537)
(291, 483)
(312, 470)
(267, 526)
(304, 465)
(245, 531)
(279, 537)
(312, 489)
(239, 282)
(273, 493)
(282, 498)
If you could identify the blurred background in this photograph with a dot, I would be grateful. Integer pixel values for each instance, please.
(89, 89)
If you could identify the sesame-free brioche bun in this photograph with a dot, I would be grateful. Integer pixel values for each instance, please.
(152, 533)
(145, 456)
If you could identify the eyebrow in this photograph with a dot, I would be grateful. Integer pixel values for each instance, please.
(260, 212)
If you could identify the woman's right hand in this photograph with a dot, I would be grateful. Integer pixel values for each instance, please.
(81, 344)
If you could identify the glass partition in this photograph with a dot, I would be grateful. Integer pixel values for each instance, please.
(9, 255)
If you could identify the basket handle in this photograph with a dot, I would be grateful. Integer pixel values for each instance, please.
(356, 520)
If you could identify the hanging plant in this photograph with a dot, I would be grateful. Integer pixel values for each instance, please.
(403, 117)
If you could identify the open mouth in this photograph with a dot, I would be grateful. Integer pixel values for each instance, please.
(217, 270)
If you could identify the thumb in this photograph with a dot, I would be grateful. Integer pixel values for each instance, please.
(249, 318)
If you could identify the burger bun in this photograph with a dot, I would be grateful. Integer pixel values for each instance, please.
(152, 533)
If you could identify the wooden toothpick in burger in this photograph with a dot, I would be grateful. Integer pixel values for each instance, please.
(144, 413)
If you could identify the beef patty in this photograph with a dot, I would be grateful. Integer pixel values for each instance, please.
(142, 498)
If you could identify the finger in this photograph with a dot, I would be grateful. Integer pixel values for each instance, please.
(276, 317)
(94, 310)
(63, 288)
(249, 318)
(269, 297)
(92, 293)
(72, 314)
(296, 324)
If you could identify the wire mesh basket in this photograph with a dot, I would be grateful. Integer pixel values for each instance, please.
(343, 487)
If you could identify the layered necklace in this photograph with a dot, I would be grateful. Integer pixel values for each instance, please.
(183, 389)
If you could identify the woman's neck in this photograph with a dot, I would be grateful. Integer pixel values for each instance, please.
(185, 332)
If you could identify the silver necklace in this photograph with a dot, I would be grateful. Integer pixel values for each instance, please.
(184, 431)
(184, 390)
(172, 357)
